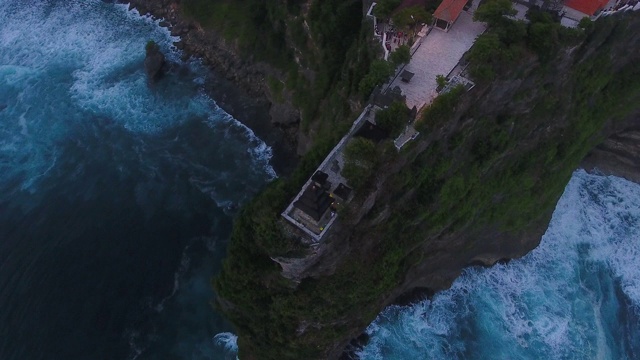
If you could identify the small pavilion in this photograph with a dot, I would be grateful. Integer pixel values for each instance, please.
(586, 7)
(447, 13)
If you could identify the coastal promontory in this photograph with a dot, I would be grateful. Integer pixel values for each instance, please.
(477, 186)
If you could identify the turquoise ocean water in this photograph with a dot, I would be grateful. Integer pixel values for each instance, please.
(116, 199)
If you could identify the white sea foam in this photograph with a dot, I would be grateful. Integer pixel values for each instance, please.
(185, 262)
(229, 343)
(259, 151)
(68, 65)
(554, 303)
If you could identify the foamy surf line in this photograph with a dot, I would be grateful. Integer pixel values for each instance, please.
(553, 303)
(260, 152)
(173, 53)
(228, 342)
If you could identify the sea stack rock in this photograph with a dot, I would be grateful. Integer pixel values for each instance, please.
(154, 62)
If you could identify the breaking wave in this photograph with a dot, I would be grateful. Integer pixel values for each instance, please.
(576, 296)
(228, 342)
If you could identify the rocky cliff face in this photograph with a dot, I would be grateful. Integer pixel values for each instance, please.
(206, 45)
(224, 58)
(267, 48)
(619, 154)
(477, 187)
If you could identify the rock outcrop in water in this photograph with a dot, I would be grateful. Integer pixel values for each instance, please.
(219, 54)
(154, 63)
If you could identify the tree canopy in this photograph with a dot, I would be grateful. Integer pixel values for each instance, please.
(401, 55)
(393, 119)
(508, 40)
(384, 8)
(404, 19)
(493, 12)
(360, 158)
(379, 72)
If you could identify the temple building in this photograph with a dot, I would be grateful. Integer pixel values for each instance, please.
(584, 8)
(447, 13)
(313, 206)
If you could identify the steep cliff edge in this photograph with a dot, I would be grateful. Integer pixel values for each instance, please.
(618, 155)
(478, 186)
(304, 58)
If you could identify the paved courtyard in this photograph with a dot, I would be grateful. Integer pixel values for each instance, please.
(521, 12)
(438, 55)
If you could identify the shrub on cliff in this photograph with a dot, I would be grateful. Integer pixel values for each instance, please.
(151, 46)
(412, 16)
(393, 119)
(401, 55)
(379, 73)
(384, 8)
(440, 110)
(360, 159)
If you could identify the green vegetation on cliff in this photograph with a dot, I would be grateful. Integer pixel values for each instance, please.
(492, 162)
(321, 48)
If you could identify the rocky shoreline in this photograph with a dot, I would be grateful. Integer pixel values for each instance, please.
(238, 85)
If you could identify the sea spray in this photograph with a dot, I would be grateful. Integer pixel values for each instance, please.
(228, 342)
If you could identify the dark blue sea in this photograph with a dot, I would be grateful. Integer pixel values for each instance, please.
(116, 200)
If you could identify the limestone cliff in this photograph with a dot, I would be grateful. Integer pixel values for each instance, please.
(618, 155)
(478, 186)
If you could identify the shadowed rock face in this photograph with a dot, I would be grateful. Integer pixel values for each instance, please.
(618, 155)
(222, 56)
(154, 63)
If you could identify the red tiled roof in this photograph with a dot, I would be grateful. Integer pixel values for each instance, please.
(449, 10)
(588, 7)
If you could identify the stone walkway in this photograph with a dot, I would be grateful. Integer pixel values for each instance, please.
(521, 12)
(438, 55)
(407, 135)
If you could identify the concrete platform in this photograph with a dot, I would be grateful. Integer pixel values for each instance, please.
(438, 55)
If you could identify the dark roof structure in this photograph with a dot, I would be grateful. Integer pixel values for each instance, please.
(412, 114)
(406, 76)
(320, 177)
(382, 100)
(371, 131)
(342, 191)
(314, 202)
